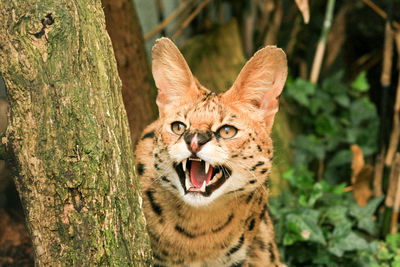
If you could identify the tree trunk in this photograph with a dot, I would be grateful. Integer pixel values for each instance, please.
(68, 135)
(126, 35)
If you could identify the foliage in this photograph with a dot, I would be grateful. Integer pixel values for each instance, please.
(333, 116)
(317, 224)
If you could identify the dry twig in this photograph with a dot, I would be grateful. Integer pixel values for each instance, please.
(293, 36)
(393, 177)
(336, 37)
(378, 174)
(319, 54)
(395, 134)
(395, 172)
(189, 19)
(387, 56)
(182, 6)
(266, 8)
(273, 29)
(381, 13)
(304, 9)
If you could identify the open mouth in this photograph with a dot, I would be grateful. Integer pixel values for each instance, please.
(199, 176)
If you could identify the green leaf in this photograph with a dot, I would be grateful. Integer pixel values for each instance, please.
(325, 124)
(361, 83)
(368, 257)
(325, 103)
(317, 192)
(305, 227)
(350, 242)
(372, 205)
(337, 215)
(360, 212)
(292, 235)
(384, 253)
(339, 189)
(393, 242)
(309, 145)
(323, 257)
(333, 84)
(362, 110)
(340, 158)
(300, 178)
(364, 214)
(367, 224)
(343, 100)
(396, 261)
(300, 91)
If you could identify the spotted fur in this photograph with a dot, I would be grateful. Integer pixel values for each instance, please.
(229, 225)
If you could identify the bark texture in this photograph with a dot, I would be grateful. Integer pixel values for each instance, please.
(126, 35)
(68, 134)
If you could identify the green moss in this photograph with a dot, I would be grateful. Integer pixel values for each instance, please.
(60, 87)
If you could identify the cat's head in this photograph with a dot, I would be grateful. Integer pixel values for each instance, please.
(210, 145)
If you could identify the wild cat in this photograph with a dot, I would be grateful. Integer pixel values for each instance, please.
(204, 163)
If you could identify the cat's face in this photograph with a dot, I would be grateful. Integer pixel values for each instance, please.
(212, 146)
(232, 155)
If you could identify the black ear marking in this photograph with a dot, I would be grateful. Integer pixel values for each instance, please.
(140, 168)
(150, 134)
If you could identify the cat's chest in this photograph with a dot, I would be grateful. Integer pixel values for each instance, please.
(202, 237)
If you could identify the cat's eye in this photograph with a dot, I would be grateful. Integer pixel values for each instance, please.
(227, 131)
(178, 127)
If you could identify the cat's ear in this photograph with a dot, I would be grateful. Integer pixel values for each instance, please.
(173, 78)
(260, 82)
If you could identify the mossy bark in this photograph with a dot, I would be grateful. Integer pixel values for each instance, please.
(137, 91)
(68, 135)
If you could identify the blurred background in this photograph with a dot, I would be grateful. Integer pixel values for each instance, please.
(335, 193)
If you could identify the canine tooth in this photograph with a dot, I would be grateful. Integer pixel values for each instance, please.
(184, 165)
(187, 183)
(203, 187)
(207, 165)
(217, 176)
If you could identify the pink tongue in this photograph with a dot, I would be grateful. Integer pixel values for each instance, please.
(197, 174)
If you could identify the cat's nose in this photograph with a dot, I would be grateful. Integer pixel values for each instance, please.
(195, 141)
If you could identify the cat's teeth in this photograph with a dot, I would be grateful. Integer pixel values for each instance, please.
(203, 187)
(184, 165)
(216, 177)
(207, 165)
(187, 183)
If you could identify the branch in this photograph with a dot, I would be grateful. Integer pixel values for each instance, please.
(319, 54)
(395, 134)
(381, 13)
(189, 19)
(167, 20)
